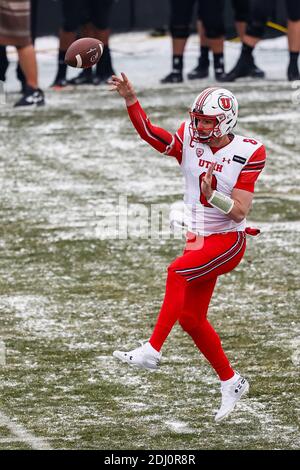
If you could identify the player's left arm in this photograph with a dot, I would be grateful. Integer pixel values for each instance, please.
(243, 190)
(242, 204)
(239, 204)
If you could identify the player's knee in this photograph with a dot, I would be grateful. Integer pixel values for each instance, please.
(180, 31)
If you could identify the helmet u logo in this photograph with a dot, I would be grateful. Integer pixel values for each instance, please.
(225, 103)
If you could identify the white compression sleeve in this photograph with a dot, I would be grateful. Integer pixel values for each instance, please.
(221, 201)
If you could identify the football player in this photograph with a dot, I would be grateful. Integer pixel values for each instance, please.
(220, 170)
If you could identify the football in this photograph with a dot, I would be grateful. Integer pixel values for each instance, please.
(84, 53)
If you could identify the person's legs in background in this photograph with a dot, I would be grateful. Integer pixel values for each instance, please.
(28, 64)
(65, 40)
(15, 22)
(241, 16)
(33, 27)
(94, 23)
(100, 18)
(85, 77)
(215, 31)
(293, 10)
(181, 16)
(32, 94)
(3, 63)
(211, 31)
(245, 66)
(72, 17)
(202, 69)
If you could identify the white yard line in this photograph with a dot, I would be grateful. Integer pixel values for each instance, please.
(36, 443)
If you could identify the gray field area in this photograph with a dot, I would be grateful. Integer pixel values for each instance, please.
(69, 298)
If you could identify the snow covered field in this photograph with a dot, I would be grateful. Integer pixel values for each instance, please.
(68, 298)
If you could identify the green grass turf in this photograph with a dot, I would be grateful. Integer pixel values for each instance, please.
(68, 298)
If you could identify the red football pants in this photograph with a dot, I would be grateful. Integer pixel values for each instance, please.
(190, 284)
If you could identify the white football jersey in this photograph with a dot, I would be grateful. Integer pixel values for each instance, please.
(199, 216)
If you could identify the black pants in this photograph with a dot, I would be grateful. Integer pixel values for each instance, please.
(241, 10)
(261, 10)
(182, 14)
(293, 9)
(210, 12)
(78, 12)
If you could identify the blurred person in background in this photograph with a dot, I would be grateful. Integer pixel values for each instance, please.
(91, 17)
(259, 12)
(211, 31)
(241, 11)
(293, 10)
(4, 63)
(15, 30)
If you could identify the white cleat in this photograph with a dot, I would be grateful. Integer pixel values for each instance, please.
(231, 394)
(144, 357)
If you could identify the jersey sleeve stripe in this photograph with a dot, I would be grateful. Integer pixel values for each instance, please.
(254, 167)
(178, 138)
(251, 171)
(150, 133)
(256, 163)
(258, 156)
(169, 147)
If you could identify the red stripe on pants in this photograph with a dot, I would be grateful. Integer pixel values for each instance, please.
(188, 301)
(191, 273)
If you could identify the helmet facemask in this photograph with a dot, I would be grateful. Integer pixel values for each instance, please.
(195, 127)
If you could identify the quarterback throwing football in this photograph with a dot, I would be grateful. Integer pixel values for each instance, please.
(220, 170)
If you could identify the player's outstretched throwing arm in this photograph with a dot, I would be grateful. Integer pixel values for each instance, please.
(159, 138)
